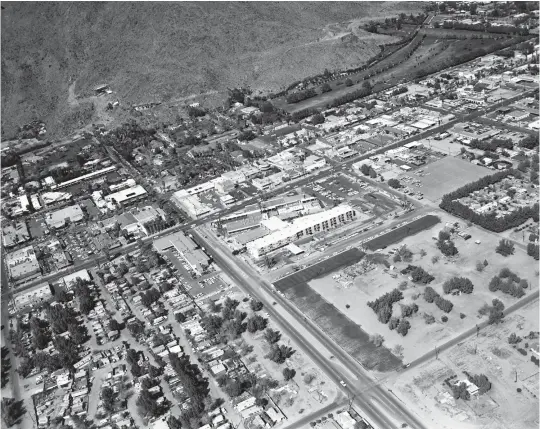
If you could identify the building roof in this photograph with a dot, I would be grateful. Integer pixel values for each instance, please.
(22, 262)
(126, 194)
(57, 219)
(300, 224)
(13, 234)
(274, 224)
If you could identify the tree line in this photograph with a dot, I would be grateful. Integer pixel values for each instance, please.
(489, 221)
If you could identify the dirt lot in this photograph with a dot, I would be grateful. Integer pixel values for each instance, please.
(336, 321)
(503, 407)
(376, 282)
(448, 174)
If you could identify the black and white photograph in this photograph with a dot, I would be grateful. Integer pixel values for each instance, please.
(270, 215)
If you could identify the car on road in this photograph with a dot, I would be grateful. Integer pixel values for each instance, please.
(342, 383)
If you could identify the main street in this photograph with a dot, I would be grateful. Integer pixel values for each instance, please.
(369, 400)
(337, 166)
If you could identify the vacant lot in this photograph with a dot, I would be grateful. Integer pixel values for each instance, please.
(421, 336)
(341, 328)
(448, 174)
(320, 269)
(402, 232)
(503, 407)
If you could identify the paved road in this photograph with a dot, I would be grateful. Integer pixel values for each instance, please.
(337, 166)
(250, 282)
(531, 297)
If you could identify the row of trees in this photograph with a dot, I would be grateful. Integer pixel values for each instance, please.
(430, 295)
(296, 97)
(492, 145)
(489, 221)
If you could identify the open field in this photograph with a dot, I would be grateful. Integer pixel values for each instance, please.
(341, 328)
(320, 269)
(402, 232)
(502, 407)
(448, 174)
(356, 289)
(334, 322)
(176, 50)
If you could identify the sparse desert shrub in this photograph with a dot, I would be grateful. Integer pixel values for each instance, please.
(522, 351)
(518, 390)
(423, 253)
(435, 259)
(480, 266)
(462, 316)
(403, 285)
(444, 319)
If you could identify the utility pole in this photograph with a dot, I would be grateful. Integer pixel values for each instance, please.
(351, 401)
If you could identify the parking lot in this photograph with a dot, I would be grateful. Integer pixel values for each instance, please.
(80, 244)
(335, 189)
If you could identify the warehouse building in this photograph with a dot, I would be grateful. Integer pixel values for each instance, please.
(301, 227)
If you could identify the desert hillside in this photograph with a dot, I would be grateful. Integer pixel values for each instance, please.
(161, 51)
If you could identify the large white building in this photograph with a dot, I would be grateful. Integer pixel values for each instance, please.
(126, 196)
(304, 226)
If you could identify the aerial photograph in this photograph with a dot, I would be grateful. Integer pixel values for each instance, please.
(255, 215)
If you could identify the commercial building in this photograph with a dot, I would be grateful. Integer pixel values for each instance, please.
(186, 249)
(22, 263)
(16, 206)
(304, 226)
(191, 204)
(33, 297)
(58, 218)
(16, 233)
(49, 198)
(84, 177)
(313, 162)
(127, 196)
